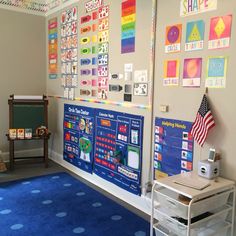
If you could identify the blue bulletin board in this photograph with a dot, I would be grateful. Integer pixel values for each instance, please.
(118, 149)
(173, 147)
(79, 136)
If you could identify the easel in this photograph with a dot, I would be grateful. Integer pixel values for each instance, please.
(28, 104)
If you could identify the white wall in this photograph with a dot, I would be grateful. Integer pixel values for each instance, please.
(22, 63)
(184, 102)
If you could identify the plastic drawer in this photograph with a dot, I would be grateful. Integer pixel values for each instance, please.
(160, 230)
(169, 200)
(208, 226)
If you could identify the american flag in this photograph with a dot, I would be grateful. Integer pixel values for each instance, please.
(203, 123)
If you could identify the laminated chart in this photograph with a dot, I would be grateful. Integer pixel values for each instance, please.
(52, 48)
(118, 149)
(173, 147)
(79, 136)
(103, 49)
(69, 52)
(94, 49)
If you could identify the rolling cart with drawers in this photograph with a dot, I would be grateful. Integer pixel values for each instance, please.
(178, 210)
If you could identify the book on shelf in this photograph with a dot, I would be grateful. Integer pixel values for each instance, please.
(12, 134)
(20, 133)
(28, 133)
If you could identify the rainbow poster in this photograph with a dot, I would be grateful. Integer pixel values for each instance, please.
(128, 21)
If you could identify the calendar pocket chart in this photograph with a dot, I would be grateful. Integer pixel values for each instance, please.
(118, 149)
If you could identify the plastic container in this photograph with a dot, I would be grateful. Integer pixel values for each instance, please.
(170, 200)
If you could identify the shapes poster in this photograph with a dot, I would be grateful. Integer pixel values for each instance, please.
(128, 22)
(69, 51)
(191, 7)
(216, 72)
(171, 73)
(79, 136)
(220, 32)
(195, 35)
(52, 48)
(118, 149)
(173, 38)
(192, 72)
(173, 147)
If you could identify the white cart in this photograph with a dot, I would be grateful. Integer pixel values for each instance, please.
(178, 210)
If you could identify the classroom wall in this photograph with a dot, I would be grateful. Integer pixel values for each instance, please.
(22, 64)
(184, 102)
(116, 65)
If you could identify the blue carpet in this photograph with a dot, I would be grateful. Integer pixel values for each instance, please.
(59, 204)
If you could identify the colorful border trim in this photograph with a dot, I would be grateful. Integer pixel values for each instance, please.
(106, 102)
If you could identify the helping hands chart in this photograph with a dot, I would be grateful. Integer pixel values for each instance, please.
(173, 147)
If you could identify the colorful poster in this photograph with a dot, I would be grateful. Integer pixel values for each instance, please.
(52, 48)
(220, 32)
(192, 72)
(191, 7)
(118, 149)
(69, 51)
(79, 136)
(173, 147)
(216, 72)
(171, 73)
(195, 35)
(128, 21)
(173, 38)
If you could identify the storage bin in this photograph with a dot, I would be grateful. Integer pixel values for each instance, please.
(170, 200)
(160, 230)
(207, 226)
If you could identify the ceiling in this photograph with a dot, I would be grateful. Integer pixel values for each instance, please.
(40, 6)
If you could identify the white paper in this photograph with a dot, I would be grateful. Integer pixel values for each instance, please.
(141, 76)
(28, 97)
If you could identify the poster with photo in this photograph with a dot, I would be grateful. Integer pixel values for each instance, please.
(194, 36)
(79, 136)
(173, 147)
(173, 38)
(216, 72)
(118, 149)
(220, 32)
(192, 72)
(171, 73)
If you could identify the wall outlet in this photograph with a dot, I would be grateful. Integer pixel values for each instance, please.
(164, 108)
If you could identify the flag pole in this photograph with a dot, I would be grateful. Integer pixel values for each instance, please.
(206, 90)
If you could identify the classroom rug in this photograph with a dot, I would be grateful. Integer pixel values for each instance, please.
(59, 204)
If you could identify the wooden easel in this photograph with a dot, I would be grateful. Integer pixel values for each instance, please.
(22, 110)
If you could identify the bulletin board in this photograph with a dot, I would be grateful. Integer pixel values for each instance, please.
(79, 136)
(118, 149)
